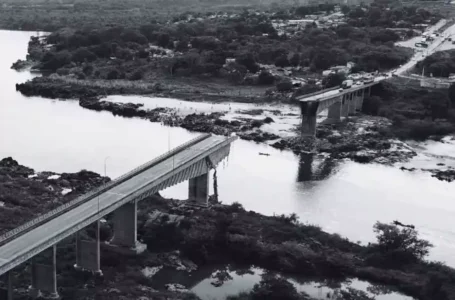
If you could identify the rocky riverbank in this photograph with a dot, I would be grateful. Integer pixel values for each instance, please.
(361, 138)
(25, 193)
(183, 238)
(36, 50)
(70, 87)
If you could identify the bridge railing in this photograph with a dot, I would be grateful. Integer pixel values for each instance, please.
(12, 234)
(318, 92)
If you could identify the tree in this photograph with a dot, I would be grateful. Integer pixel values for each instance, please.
(247, 59)
(334, 79)
(371, 105)
(266, 78)
(282, 61)
(83, 55)
(295, 60)
(391, 238)
(133, 36)
(113, 74)
(284, 86)
(54, 61)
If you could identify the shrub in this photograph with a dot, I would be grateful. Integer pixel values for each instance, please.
(137, 75)
(266, 78)
(371, 105)
(391, 238)
(284, 86)
(113, 74)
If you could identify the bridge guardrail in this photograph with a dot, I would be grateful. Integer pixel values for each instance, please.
(318, 92)
(10, 235)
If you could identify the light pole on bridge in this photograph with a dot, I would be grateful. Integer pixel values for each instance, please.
(105, 175)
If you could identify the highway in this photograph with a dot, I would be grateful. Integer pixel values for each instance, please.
(24, 244)
(339, 92)
(438, 44)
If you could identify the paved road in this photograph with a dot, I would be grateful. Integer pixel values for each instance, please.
(438, 44)
(338, 92)
(21, 245)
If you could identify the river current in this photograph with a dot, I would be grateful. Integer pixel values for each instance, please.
(344, 197)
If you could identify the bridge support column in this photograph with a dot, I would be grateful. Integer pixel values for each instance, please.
(351, 103)
(125, 230)
(7, 292)
(334, 114)
(44, 274)
(309, 113)
(88, 252)
(344, 107)
(198, 189)
(359, 102)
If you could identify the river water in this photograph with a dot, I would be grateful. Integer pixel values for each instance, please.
(345, 197)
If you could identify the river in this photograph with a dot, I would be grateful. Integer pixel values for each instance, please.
(346, 197)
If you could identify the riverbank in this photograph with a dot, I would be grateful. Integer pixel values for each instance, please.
(361, 138)
(184, 237)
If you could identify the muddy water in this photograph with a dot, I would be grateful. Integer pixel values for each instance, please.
(345, 197)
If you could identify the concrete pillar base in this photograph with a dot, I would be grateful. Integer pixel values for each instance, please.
(36, 293)
(81, 269)
(44, 274)
(198, 190)
(138, 248)
(125, 230)
(88, 252)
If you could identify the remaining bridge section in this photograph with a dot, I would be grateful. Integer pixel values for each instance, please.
(37, 239)
(339, 102)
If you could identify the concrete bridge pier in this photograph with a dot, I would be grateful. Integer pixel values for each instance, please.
(44, 274)
(309, 114)
(125, 230)
(88, 252)
(334, 113)
(344, 107)
(198, 189)
(352, 104)
(359, 99)
(7, 292)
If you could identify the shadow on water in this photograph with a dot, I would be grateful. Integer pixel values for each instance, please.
(313, 167)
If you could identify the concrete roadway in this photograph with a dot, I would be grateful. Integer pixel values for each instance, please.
(21, 245)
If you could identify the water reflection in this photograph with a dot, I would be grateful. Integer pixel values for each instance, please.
(315, 167)
(244, 279)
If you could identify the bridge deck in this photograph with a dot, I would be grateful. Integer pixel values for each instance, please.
(335, 93)
(24, 244)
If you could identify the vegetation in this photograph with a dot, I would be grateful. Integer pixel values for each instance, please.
(416, 113)
(281, 243)
(439, 64)
(387, 14)
(224, 234)
(399, 245)
(231, 49)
